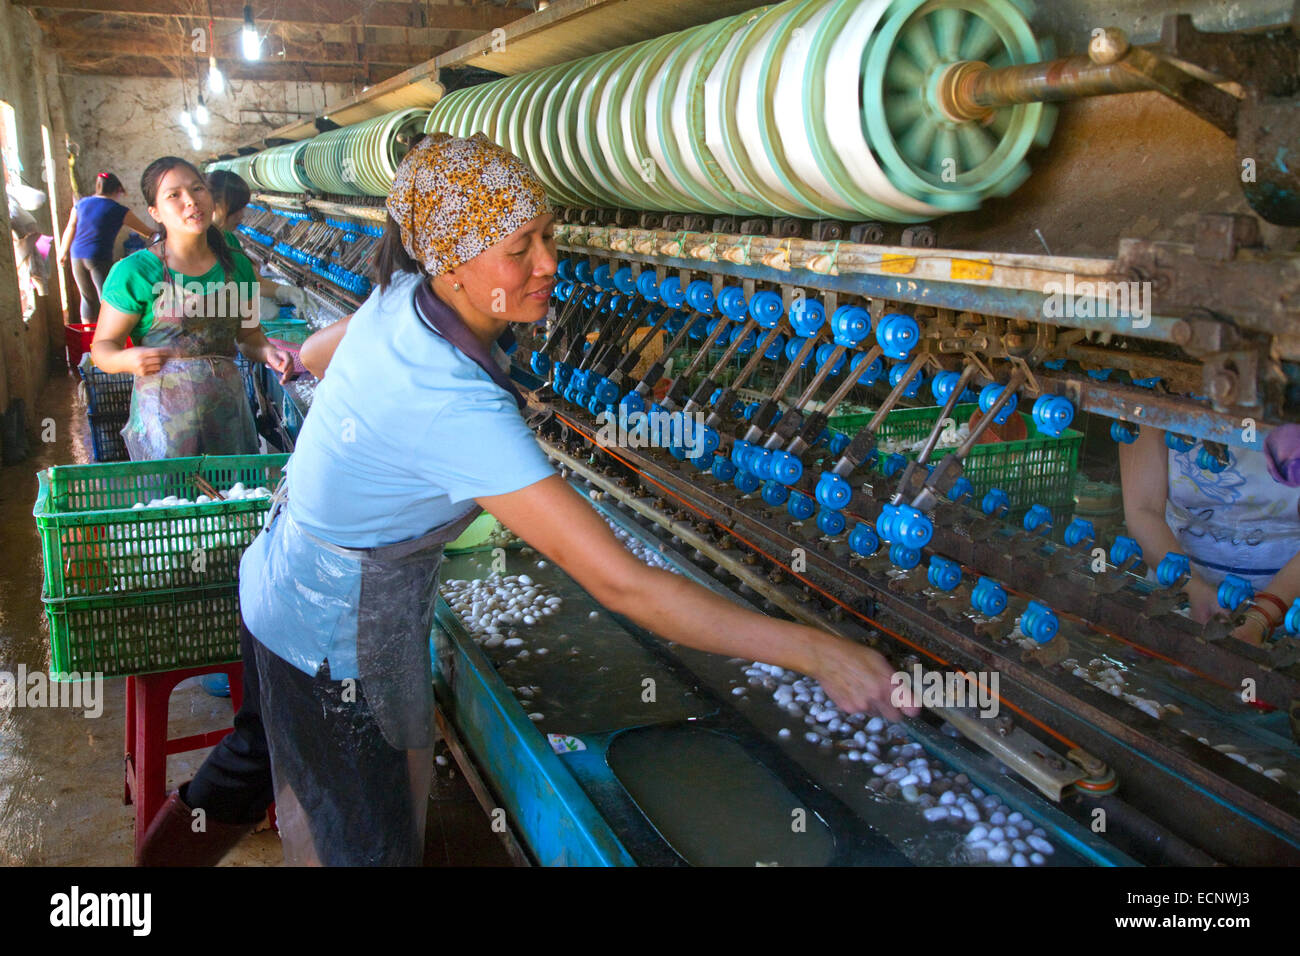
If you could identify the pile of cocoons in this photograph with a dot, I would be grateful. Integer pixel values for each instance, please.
(900, 769)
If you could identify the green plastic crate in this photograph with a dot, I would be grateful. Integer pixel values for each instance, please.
(1039, 469)
(94, 542)
(143, 634)
(131, 591)
(294, 331)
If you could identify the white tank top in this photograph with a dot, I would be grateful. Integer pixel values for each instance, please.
(1239, 521)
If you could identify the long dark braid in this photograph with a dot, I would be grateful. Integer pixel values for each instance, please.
(149, 180)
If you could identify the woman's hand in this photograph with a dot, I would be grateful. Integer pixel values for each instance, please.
(859, 680)
(145, 361)
(279, 360)
(1203, 598)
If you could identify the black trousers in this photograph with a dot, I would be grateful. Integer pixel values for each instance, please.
(89, 274)
(234, 783)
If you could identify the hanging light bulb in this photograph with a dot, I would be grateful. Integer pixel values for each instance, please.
(196, 141)
(201, 112)
(216, 82)
(187, 121)
(252, 45)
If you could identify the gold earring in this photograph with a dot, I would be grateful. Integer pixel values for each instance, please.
(455, 287)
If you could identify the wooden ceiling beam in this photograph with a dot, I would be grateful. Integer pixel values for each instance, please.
(146, 66)
(481, 19)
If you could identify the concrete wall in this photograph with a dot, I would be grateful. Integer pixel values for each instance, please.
(121, 124)
(28, 84)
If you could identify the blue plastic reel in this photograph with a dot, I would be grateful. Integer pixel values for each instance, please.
(1123, 550)
(830, 522)
(944, 574)
(1234, 591)
(1053, 414)
(1038, 518)
(893, 464)
(766, 308)
(989, 395)
(996, 502)
(1207, 462)
(901, 556)
(775, 493)
(873, 372)
(897, 334)
(914, 384)
(850, 324)
(1292, 620)
(960, 489)
(1179, 443)
(824, 352)
(1173, 567)
(723, 469)
(624, 282)
(1079, 531)
(863, 540)
(807, 316)
(745, 482)
(794, 346)
(647, 285)
(800, 506)
(731, 302)
(1039, 622)
(671, 293)
(988, 597)
(1123, 433)
(699, 296)
(833, 492)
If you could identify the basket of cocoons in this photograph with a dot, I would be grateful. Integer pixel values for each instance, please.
(141, 567)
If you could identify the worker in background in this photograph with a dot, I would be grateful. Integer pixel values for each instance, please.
(415, 429)
(23, 200)
(188, 301)
(92, 229)
(230, 198)
(1243, 520)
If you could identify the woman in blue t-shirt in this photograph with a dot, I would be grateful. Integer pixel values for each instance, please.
(414, 429)
(89, 237)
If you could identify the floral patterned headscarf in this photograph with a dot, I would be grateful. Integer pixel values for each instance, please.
(453, 198)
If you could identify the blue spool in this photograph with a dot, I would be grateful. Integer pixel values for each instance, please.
(893, 464)
(647, 285)
(677, 451)
(960, 489)
(897, 334)
(873, 372)
(942, 385)
(1292, 620)
(703, 462)
(800, 506)
(901, 556)
(564, 268)
(914, 384)
(596, 406)
(833, 491)
(786, 468)
(850, 324)
(1053, 414)
(1100, 374)
(602, 276)
(863, 540)
(988, 597)
(824, 352)
(807, 316)
(606, 392)
(745, 482)
(759, 462)
(996, 503)
(1207, 462)
(839, 442)
(671, 293)
(1179, 443)
(1123, 433)
(1173, 567)
(1079, 531)
(943, 574)
(775, 493)
(1147, 382)
(700, 328)
(794, 346)
(699, 296)
(540, 364)
(709, 439)
(731, 302)
(632, 402)
(1123, 550)
(912, 528)
(723, 470)
(766, 308)
(775, 349)
(562, 373)
(830, 523)
(1234, 591)
(582, 272)
(739, 451)
(1037, 518)
(624, 282)
(1039, 622)
(989, 395)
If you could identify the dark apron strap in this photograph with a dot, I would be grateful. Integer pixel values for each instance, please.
(442, 320)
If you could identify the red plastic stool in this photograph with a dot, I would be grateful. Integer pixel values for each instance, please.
(147, 744)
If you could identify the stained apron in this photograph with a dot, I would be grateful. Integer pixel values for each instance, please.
(195, 404)
(351, 758)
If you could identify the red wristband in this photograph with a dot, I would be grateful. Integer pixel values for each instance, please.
(1277, 602)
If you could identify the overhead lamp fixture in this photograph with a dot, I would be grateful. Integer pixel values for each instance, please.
(201, 112)
(196, 142)
(542, 5)
(216, 82)
(252, 44)
(187, 121)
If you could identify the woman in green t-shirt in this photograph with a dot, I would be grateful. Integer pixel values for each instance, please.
(189, 301)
